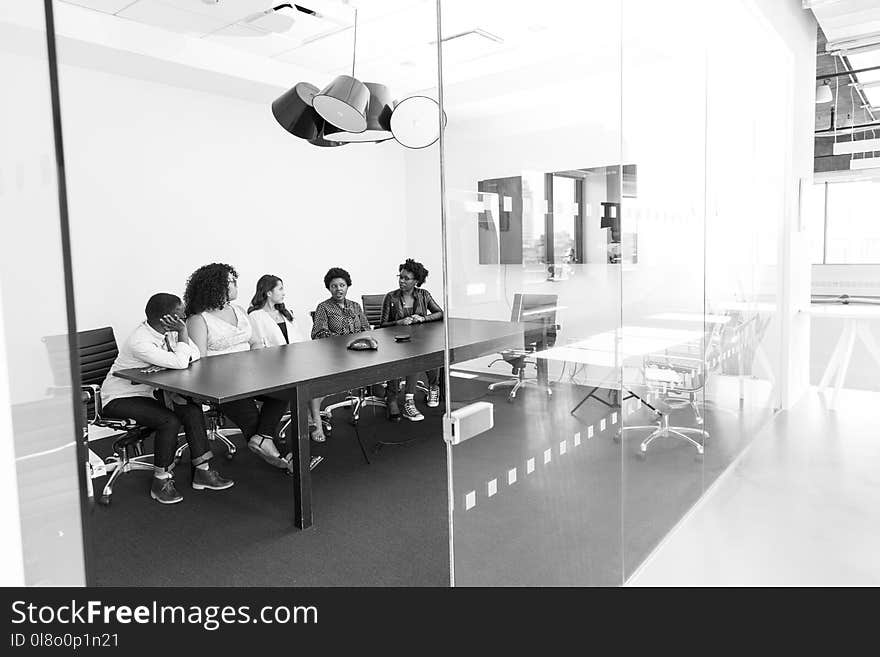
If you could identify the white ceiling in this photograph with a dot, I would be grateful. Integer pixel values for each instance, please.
(853, 20)
(396, 39)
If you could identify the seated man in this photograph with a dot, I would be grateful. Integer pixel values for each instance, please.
(151, 344)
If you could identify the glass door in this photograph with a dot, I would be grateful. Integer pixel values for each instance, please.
(44, 492)
(533, 176)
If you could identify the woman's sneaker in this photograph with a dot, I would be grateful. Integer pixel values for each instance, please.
(410, 412)
(433, 396)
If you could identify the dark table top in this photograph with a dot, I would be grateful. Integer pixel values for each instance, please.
(318, 362)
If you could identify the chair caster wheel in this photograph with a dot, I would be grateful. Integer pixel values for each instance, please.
(229, 455)
(698, 458)
(104, 500)
(642, 456)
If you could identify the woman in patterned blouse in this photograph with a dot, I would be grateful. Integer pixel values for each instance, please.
(335, 316)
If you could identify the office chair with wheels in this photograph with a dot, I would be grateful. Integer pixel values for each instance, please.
(216, 434)
(678, 378)
(97, 350)
(538, 313)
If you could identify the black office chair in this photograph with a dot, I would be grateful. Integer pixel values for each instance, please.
(97, 350)
(538, 313)
(372, 304)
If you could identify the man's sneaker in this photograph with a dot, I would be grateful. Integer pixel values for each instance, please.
(211, 479)
(164, 492)
(410, 412)
(433, 396)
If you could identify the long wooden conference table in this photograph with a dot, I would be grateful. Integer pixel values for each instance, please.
(320, 367)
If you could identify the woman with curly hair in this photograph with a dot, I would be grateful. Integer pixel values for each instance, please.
(217, 326)
(335, 316)
(410, 304)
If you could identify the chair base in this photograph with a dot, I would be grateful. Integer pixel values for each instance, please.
(214, 436)
(118, 464)
(518, 383)
(664, 429)
(356, 404)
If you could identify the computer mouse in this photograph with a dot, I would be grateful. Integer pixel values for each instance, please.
(363, 344)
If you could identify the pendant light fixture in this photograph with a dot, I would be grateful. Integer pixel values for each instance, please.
(349, 111)
(378, 117)
(294, 111)
(415, 122)
(344, 101)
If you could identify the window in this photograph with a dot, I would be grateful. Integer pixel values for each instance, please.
(843, 220)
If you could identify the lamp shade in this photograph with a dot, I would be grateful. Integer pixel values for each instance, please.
(322, 139)
(823, 94)
(343, 103)
(379, 112)
(293, 110)
(415, 122)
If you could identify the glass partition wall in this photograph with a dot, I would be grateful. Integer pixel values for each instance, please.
(42, 457)
(606, 195)
(534, 176)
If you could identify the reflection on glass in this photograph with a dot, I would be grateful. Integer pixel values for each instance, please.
(32, 274)
(536, 498)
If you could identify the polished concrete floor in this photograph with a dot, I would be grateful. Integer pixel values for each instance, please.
(801, 507)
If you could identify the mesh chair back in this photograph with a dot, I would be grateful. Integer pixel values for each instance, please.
(372, 304)
(538, 313)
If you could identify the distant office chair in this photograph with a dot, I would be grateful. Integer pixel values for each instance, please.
(96, 351)
(372, 304)
(678, 377)
(538, 313)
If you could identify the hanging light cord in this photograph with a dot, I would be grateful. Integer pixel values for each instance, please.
(355, 44)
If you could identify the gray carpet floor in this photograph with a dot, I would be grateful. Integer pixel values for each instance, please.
(586, 517)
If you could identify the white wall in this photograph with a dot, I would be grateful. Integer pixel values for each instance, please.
(163, 179)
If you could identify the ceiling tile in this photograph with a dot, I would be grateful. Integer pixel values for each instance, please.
(248, 39)
(107, 6)
(161, 14)
(228, 10)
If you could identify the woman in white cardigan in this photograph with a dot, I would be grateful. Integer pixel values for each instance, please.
(272, 323)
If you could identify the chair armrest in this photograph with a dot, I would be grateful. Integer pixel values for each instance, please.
(93, 394)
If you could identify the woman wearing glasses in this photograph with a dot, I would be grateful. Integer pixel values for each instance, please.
(411, 304)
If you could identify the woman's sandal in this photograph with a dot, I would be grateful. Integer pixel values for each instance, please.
(255, 444)
(313, 462)
(314, 435)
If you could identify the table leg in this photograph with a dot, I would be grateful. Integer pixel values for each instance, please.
(833, 361)
(302, 478)
(844, 363)
(864, 332)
